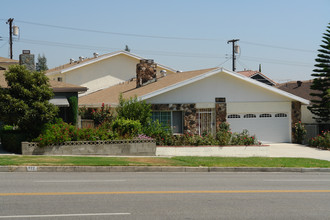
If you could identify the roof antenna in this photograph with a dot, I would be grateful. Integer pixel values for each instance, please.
(259, 68)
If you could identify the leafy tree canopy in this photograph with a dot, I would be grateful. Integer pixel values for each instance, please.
(25, 103)
(321, 82)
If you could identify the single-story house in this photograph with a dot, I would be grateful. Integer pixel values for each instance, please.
(63, 92)
(198, 101)
(101, 71)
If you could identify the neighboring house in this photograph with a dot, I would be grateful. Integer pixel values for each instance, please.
(63, 92)
(6, 62)
(198, 101)
(101, 71)
(257, 76)
(303, 90)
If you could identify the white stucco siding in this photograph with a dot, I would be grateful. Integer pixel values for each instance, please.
(219, 85)
(104, 73)
(307, 116)
(259, 107)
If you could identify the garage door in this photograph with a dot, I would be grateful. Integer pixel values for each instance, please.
(267, 127)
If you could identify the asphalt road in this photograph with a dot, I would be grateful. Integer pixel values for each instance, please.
(164, 196)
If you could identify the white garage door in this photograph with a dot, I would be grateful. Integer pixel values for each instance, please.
(267, 127)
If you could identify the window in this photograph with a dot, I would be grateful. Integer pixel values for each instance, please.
(234, 116)
(281, 115)
(265, 115)
(250, 116)
(59, 79)
(172, 119)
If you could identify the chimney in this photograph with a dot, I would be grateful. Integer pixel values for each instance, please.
(27, 59)
(299, 83)
(145, 72)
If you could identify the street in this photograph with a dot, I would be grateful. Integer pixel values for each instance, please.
(164, 195)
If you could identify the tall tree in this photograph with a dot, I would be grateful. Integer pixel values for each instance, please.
(42, 63)
(321, 82)
(25, 102)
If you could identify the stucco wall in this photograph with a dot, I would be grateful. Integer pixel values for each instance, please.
(219, 85)
(102, 74)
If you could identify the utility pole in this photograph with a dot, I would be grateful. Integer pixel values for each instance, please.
(10, 22)
(234, 57)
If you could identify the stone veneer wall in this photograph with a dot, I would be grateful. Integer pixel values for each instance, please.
(295, 116)
(220, 113)
(189, 114)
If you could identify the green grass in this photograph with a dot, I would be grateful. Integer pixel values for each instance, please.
(160, 161)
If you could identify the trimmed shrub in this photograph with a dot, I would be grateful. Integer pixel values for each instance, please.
(126, 128)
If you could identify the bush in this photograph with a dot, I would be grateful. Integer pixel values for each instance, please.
(224, 134)
(104, 114)
(321, 141)
(127, 128)
(134, 110)
(162, 134)
(11, 140)
(243, 139)
(299, 132)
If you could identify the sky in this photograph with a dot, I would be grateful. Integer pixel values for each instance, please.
(283, 35)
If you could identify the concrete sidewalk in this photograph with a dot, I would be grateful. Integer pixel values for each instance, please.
(297, 150)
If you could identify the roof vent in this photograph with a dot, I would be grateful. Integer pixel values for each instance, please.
(179, 71)
(299, 83)
(71, 60)
(96, 55)
(81, 58)
(163, 73)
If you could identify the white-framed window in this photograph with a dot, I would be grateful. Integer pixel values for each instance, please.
(250, 116)
(234, 116)
(265, 115)
(172, 119)
(281, 115)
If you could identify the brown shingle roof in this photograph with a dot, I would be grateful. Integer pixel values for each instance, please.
(128, 89)
(250, 73)
(7, 60)
(55, 85)
(302, 91)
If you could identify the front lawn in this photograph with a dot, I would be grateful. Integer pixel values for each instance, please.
(162, 161)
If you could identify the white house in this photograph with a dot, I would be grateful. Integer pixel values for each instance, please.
(101, 72)
(197, 101)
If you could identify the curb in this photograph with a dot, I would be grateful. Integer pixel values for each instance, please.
(155, 169)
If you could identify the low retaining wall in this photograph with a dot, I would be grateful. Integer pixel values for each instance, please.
(218, 151)
(117, 147)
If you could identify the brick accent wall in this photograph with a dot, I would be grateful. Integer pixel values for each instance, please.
(295, 116)
(221, 113)
(189, 114)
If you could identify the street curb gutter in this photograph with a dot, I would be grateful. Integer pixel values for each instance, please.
(154, 169)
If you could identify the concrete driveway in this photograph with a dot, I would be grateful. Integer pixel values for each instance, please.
(297, 150)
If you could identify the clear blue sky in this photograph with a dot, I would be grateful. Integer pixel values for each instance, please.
(282, 35)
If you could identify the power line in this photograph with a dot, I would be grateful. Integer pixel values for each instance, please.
(161, 37)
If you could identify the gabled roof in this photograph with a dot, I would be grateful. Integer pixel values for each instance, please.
(78, 64)
(55, 85)
(168, 83)
(252, 73)
(298, 88)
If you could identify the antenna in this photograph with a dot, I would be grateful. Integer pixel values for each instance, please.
(235, 51)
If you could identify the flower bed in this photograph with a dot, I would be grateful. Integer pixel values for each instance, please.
(115, 147)
(322, 141)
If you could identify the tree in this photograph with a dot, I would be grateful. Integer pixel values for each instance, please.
(25, 103)
(321, 84)
(42, 63)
